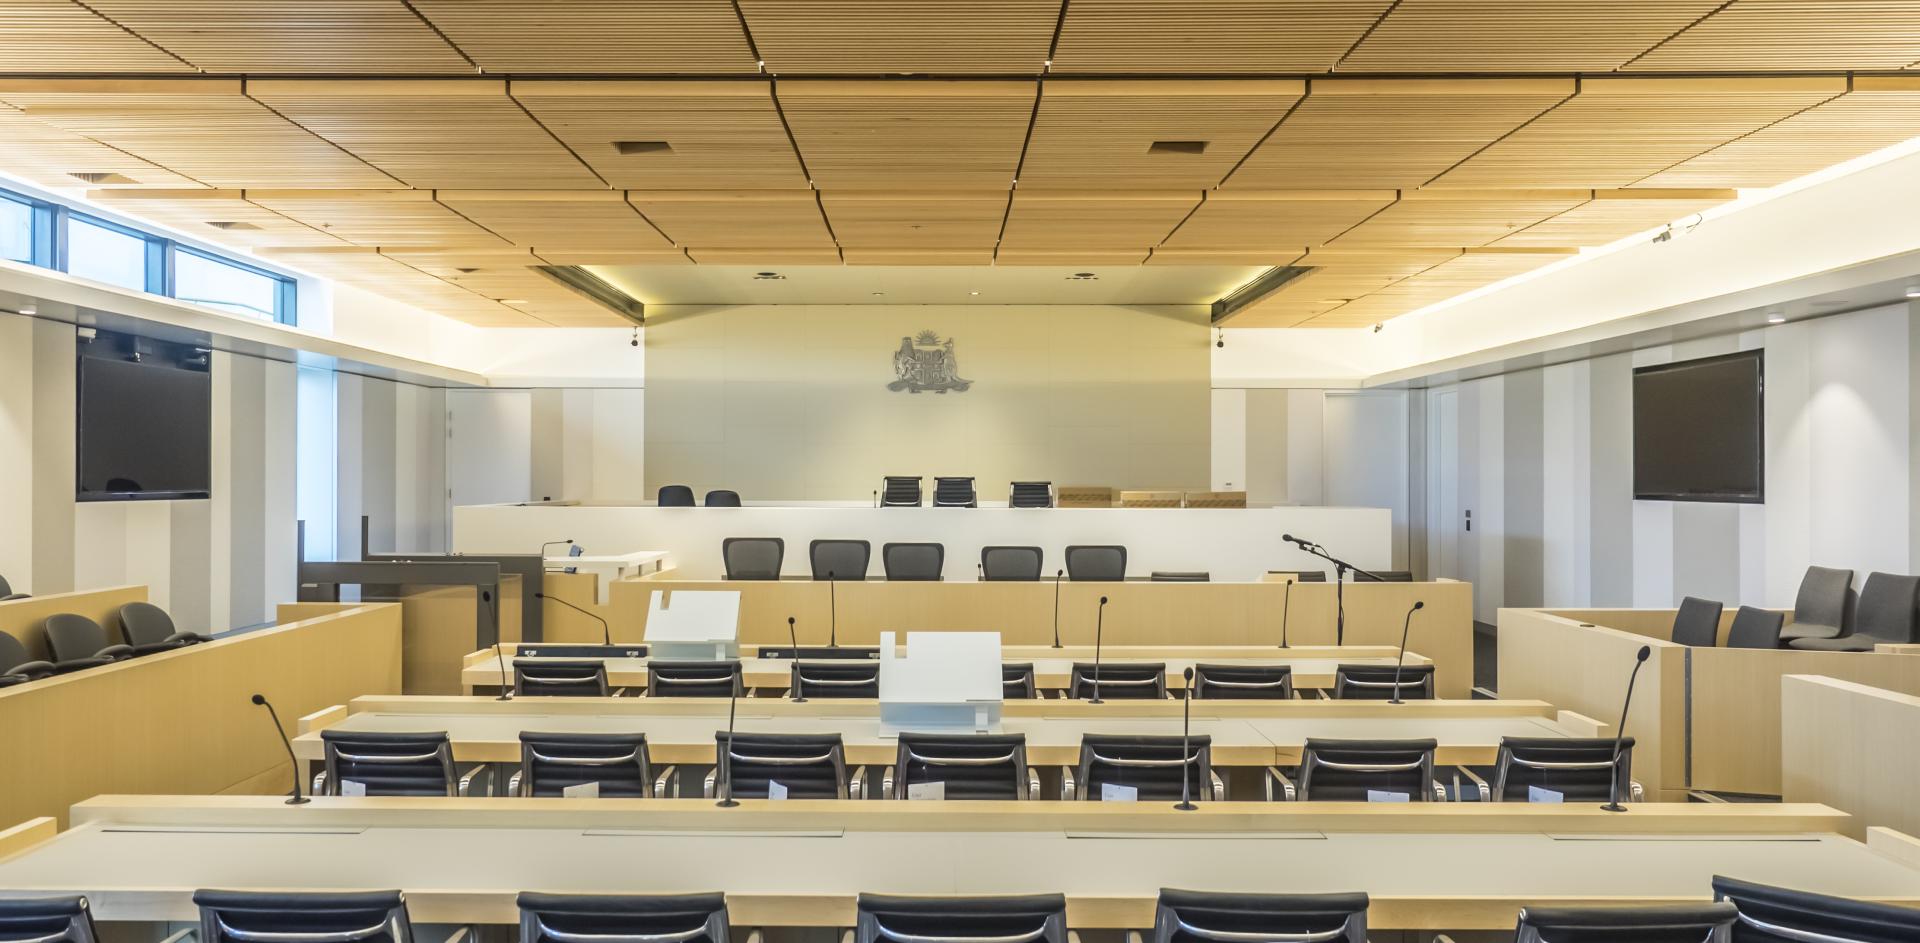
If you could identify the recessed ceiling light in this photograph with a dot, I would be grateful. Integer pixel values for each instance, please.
(1776, 319)
(768, 277)
(974, 293)
(29, 309)
(879, 294)
(1083, 277)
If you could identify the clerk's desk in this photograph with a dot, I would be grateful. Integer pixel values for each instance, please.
(1313, 666)
(801, 863)
(681, 730)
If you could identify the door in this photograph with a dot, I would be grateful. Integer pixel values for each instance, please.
(1446, 530)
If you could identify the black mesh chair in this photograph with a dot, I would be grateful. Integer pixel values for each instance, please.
(623, 918)
(753, 558)
(1303, 576)
(1824, 606)
(1017, 681)
(1204, 917)
(954, 493)
(810, 766)
(843, 559)
(551, 763)
(722, 499)
(560, 678)
(977, 766)
(79, 642)
(1885, 614)
(913, 562)
(695, 679)
(390, 764)
(1242, 682)
(6, 591)
(1375, 682)
(900, 491)
(1663, 923)
(1030, 494)
(1351, 770)
(1127, 680)
(149, 629)
(1697, 623)
(844, 677)
(1099, 564)
(1579, 769)
(1152, 765)
(887, 919)
(819, 652)
(46, 920)
(17, 665)
(1755, 628)
(1779, 915)
(303, 917)
(675, 496)
(1021, 564)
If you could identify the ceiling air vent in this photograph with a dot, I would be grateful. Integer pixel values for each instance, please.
(1083, 277)
(643, 147)
(1177, 147)
(768, 277)
(103, 178)
(230, 225)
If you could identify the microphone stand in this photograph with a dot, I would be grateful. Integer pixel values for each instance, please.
(1286, 609)
(833, 616)
(296, 798)
(499, 652)
(1099, 630)
(1340, 570)
(1404, 629)
(726, 756)
(606, 633)
(795, 640)
(1620, 734)
(1186, 752)
(1056, 606)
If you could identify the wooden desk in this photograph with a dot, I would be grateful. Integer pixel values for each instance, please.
(800, 863)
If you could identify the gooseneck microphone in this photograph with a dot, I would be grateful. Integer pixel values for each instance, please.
(499, 651)
(1186, 751)
(726, 755)
(1286, 609)
(1620, 733)
(296, 798)
(565, 541)
(1058, 575)
(606, 632)
(833, 614)
(1099, 630)
(1404, 629)
(794, 638)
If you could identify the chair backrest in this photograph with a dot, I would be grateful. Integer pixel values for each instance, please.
(913, 561)
(1303, 576)
(15, 659)
(1697, 623)
(1205, 917)
(1769, 914)
(1375, 682)
(1347, 770)
(675, 496)
(623, 918)
(900, 491)
(1886, 607)
(1150, 764)
(753, 558)
(1755, 628)
(1101, 563)
(1825, 598)
(560, 678)
(1385, 576)
(144, 623)
(1580, 769)
(46, 920)
(303, 917)
(1243, 682)
(818, 652)
(72, 636)
(1127, 680)
(887, 919)
(811, 766)
(1030, 494)
(1017, 681)
(1180, 576)
(1661, 923)
(954, 493)
(552, 762)
(390, 764)
(6, 589)
(845, 559)
(976, 766)
(722, 499)
(1011, 563)
(843, 677)
(695, 679)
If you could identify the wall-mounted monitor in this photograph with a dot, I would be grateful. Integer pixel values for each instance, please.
(1699, 430)
(145, 423)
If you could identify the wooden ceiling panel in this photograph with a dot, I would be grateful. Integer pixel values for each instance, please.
(594, 36)
(1473, 269)
(736, 219)
(1616, 214)
(717, 135)
(1504, 36)
(1241, 220)
(1066, 222)
(1460, 217)
(907, 256)
(378, 217)
(223, 216)
(765, 256)
(877, 219)
(1618, 131)
(1339, 276)
(1149, 133)
(898, 134)
(510, 280)
(1089, 257)
(1880, 111)
(46, 155)
(1211, 36)
(1782, 35)
(1397, 133)
(52, 35)
(613, 256)
(557, 219)
(453, 134)
(366, 268)
(1007, 37)
(1166, 256)
(289, 36)
(1273, 312)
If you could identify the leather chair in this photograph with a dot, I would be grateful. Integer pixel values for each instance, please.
(46, 920)
(1030, 494)
(1885, 614)
(1375, 682)
(1824, 606)
(1770, 914)
(560, 678)
(1118, 681)
(954, 493)
(913, 562)
(17, 665)
(753, 558)
(1755, 628)
(303, 917)
(1151, 765)
(722, 499)
(1350, 770)
(390, 764)
(79, 642)
(845, 560)
(6, 591)
(887, 919)
(149, 629)
(839, 678)
(1243, 682)
(900, 491)
(972, 766)
(1204, 917)
(1100, 564)
(551, 763)
(695, 679)
(1697, 623)
(675, 496)
(1017, 681)
(1580, 769)
(810, 766)
(1664, 923)
(819, 652)
(1017, 564)
(623, 918)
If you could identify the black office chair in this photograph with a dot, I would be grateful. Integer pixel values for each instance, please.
(1580, 769)
(753, 558)
(921, 562)
(623, 918)
(811, 766)
(844, 559)
(832, 679)
(1100, 564)
(675, 496)
(17, 665)
(722, 499)
(1180, 576)
(954, 493)
(900, 491)
(1384, 576)
(149, 629)
(551, 763)
(1884, 614)
(1778, 915)
(882, 918)
(390, 764)
(1303, 576)
(303, 917)
(79, 642)
(46, 920)
(560, 678)
(6, 591)
(977, 766)
(1205, 917)
(819, 652)
(1352, 770)
(1697, 623)
(1152, 765)
(1375, 682)
(1242, 682)
(1824, 606)
(1661, 923)
(1017, 681)
(1119, 681)
(695, 679)
(1030, 494)
(1755, 628)
(1018, 564)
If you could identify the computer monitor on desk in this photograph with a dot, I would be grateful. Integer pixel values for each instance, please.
(701, 625)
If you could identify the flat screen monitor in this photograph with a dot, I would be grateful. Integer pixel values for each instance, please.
(145, 421)
(1699, 430)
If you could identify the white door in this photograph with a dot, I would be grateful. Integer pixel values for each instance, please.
(1443, 497)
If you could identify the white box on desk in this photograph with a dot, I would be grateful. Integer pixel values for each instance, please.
(946, 681)
(693, 625)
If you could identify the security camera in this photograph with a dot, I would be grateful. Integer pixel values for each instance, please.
(634, 343)
(1220, 342)
(1377, 327)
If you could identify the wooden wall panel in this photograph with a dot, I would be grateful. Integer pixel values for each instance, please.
(894, 135)
(1853, 747)
(888, 37)
(722, 135)
(1100, 134)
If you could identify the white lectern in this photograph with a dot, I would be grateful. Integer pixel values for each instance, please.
(693, 625)
(945, 681)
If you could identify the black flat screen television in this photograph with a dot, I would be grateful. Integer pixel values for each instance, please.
(145, 424)
(1699, 430)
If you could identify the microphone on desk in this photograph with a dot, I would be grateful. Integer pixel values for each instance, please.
(1058, 575)
(1620, 733)
(296, 798)
(876, 497)
(833, 615)
(726, 755)
(1186, 753)
(499, 651)
(1099, 630)
(543, 547)
(1286, 609)
(606, 633)
(1404, 629)
(795, 640)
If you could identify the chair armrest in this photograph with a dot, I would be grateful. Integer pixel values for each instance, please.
(1439, 790)
(846, 936)
(857, 784)
(1073, 936)
(1705, 797)
(756, 935)
(1135, 936)
(668, 777)
(1068, 792)
(32, 668)
(1276, 778)
(1323, 695)
(1033, 783)
(114, 651)
(79, 664)
(1219, 787)
(706, 787)
(513, 783)
(1634, 792)
(319, 784)
(1486, 791)
(886, 783)
(617, 692)
(479, 771)
(187, 935)
(185, 638)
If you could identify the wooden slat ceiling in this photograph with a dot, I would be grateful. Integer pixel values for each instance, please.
(1880, 111)
(1103, 134)
(888, 36)
(1460, 217)
(1766, 35)
(1211, 36)
(1488, 36)
(288, 36)
(1455, 276)
(217, 216)
(46, 155)
(594, 36)
(1615, 214)
(389, 277)
(1042, 223)
(736, 219)
(377, 218)
(891, 135)
(915, 219)
(557, 219)
(719, 135)
(1261, 219)
(52, 35)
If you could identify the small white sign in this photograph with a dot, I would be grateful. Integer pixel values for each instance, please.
(1114, 792)
(1537, 794)
(927, 790)
(1382, 795)
(776, 790)
(582, 791)
(350, 788)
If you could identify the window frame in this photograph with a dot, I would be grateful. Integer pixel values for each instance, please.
(42, 226)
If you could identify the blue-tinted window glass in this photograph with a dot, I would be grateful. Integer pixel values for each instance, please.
(210, 282)
(106, 255)
(16, 230)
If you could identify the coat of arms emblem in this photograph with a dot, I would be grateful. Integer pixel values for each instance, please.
(924, 363)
